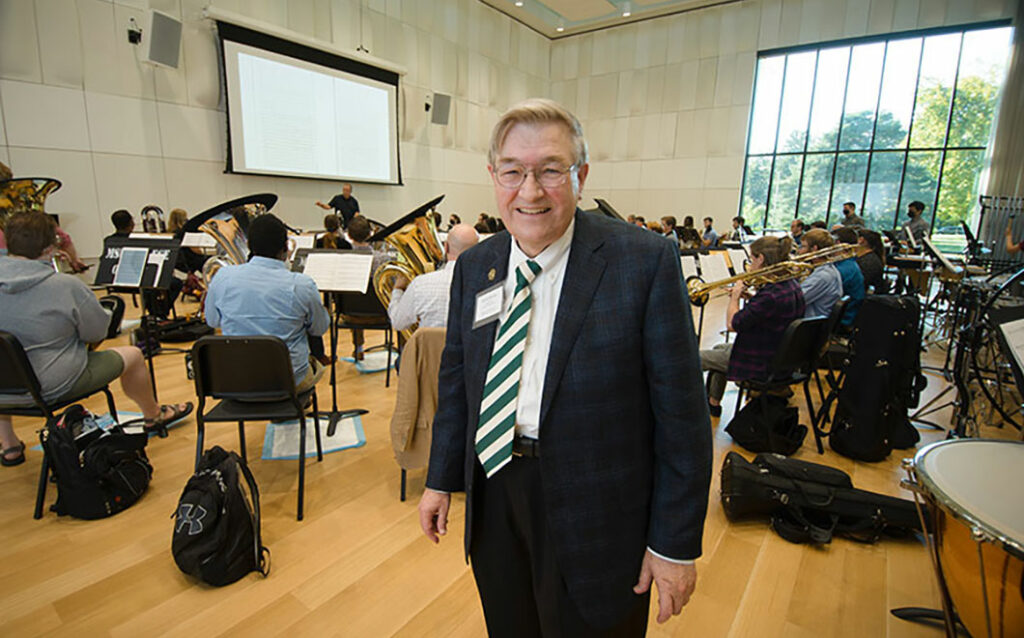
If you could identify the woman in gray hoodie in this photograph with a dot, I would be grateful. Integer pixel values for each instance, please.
(55, 317)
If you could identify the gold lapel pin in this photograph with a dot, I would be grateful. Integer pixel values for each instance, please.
(491, 274)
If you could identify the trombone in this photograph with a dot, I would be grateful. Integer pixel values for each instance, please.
(799, 267)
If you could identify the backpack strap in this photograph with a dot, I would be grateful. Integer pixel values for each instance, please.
(262, 552)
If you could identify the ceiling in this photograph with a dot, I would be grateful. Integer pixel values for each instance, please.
(579, 16)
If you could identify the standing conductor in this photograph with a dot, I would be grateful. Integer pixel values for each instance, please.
(344, 205)
(571, 405)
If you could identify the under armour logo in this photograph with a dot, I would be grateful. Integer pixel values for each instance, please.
(191, 515)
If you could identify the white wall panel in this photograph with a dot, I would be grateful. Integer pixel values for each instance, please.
(723, 172)
(880, 16)
(123, 125)
(599, 139)
(136, 78)
(710, 25)
(625, 175)
(603, 91)
(19, 45)
(812, 19)
(75, 202)
(655, 89)
(99, 49)
(58, 34)
(721, 204)
(747, 26)
(932, 13)
(42, 116)
(202, 75)
(789, 24)
(124, 181)
(771, 16)
(684, 134)
(832, 27)
(652, 44)
(652, 131)
(724, 75)
(191, 133)
(706, 72)
(904, 17)
(857, 18)
(630, 93)
(635, 138)
(194, 185)
(676, 26)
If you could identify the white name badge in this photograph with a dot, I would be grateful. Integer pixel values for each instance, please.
(488, 305)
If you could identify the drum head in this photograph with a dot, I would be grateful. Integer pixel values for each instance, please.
(980, 482)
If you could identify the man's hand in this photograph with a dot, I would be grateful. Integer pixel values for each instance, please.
(434, 513)
(738, 289)
(675, 582)
(401, 282)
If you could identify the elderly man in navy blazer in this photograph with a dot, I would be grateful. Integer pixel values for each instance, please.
(571, 408)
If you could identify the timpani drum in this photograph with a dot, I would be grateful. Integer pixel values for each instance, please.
(974, 490)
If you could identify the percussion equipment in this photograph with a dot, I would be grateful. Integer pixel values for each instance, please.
(975, 514)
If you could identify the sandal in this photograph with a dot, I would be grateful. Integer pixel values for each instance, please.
(159, 424)
(18, 460)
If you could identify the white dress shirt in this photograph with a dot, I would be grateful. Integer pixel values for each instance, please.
(425, 301)
(545, 292)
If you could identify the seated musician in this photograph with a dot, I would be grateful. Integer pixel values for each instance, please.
(872, 264)
(689, 238)
(332, 239)
(359, 232)
(158, 302)
(263, 297)
(917, 226)
(758, 326)
(55, 317)
(796, 231)
(853, 279)
(824, 286)
(424, 301)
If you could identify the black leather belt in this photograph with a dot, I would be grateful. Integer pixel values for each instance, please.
(525, 446)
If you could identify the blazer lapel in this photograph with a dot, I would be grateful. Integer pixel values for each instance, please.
(479, 342)
(582, 276)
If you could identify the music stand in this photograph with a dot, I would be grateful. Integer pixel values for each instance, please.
(335, 271)
(153, 271)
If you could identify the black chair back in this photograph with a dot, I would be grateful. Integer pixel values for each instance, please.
(16, 373)
(798, 349)
(256, 368)
(836, 315)
(360, 304)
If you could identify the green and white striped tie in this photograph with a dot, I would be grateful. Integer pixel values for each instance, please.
(496, 427)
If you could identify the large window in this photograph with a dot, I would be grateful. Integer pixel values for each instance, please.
(877, 122)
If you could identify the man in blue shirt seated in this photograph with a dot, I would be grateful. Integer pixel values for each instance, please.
(710, 237)
(823, 287)
(853, 278)
(263, 297)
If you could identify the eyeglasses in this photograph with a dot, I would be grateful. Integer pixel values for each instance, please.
(549, 176)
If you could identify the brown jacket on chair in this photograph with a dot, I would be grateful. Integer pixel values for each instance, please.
(416, 402)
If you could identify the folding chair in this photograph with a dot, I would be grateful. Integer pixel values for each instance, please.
(18, 377)
(364, 311)
(252, 377)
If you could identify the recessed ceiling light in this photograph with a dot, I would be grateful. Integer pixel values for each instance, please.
(519, 4)
(559, 29)
(626, 10)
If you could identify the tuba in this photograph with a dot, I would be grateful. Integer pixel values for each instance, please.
(232, 245)
(29, 194)
(414, 239)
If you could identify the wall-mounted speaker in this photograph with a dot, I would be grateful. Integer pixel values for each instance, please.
(441, 109)
(162, 41)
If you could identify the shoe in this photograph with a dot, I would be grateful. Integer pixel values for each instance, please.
(159, 424)
(715, 410)
(18, 460)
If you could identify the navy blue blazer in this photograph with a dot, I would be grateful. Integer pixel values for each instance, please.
(624, 425)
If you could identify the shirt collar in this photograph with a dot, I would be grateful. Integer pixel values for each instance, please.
(267, 262)
(547, 257)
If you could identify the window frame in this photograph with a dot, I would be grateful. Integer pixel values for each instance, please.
(835, 152)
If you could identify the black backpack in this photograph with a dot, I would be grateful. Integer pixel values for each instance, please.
(217, 524)
(768, 424)
(882, 381)
(809, 502)
(98, 472)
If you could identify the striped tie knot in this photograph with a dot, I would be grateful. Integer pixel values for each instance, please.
(496, 425)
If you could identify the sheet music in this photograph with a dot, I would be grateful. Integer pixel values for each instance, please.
(198, 240)
(304, 241)
(737, 256)
(689, 266)
(130, 266)
(158, 258)
(713, 267)
(1013, 332)
(340, 272)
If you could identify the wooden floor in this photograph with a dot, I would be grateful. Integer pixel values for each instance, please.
(359, 565)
